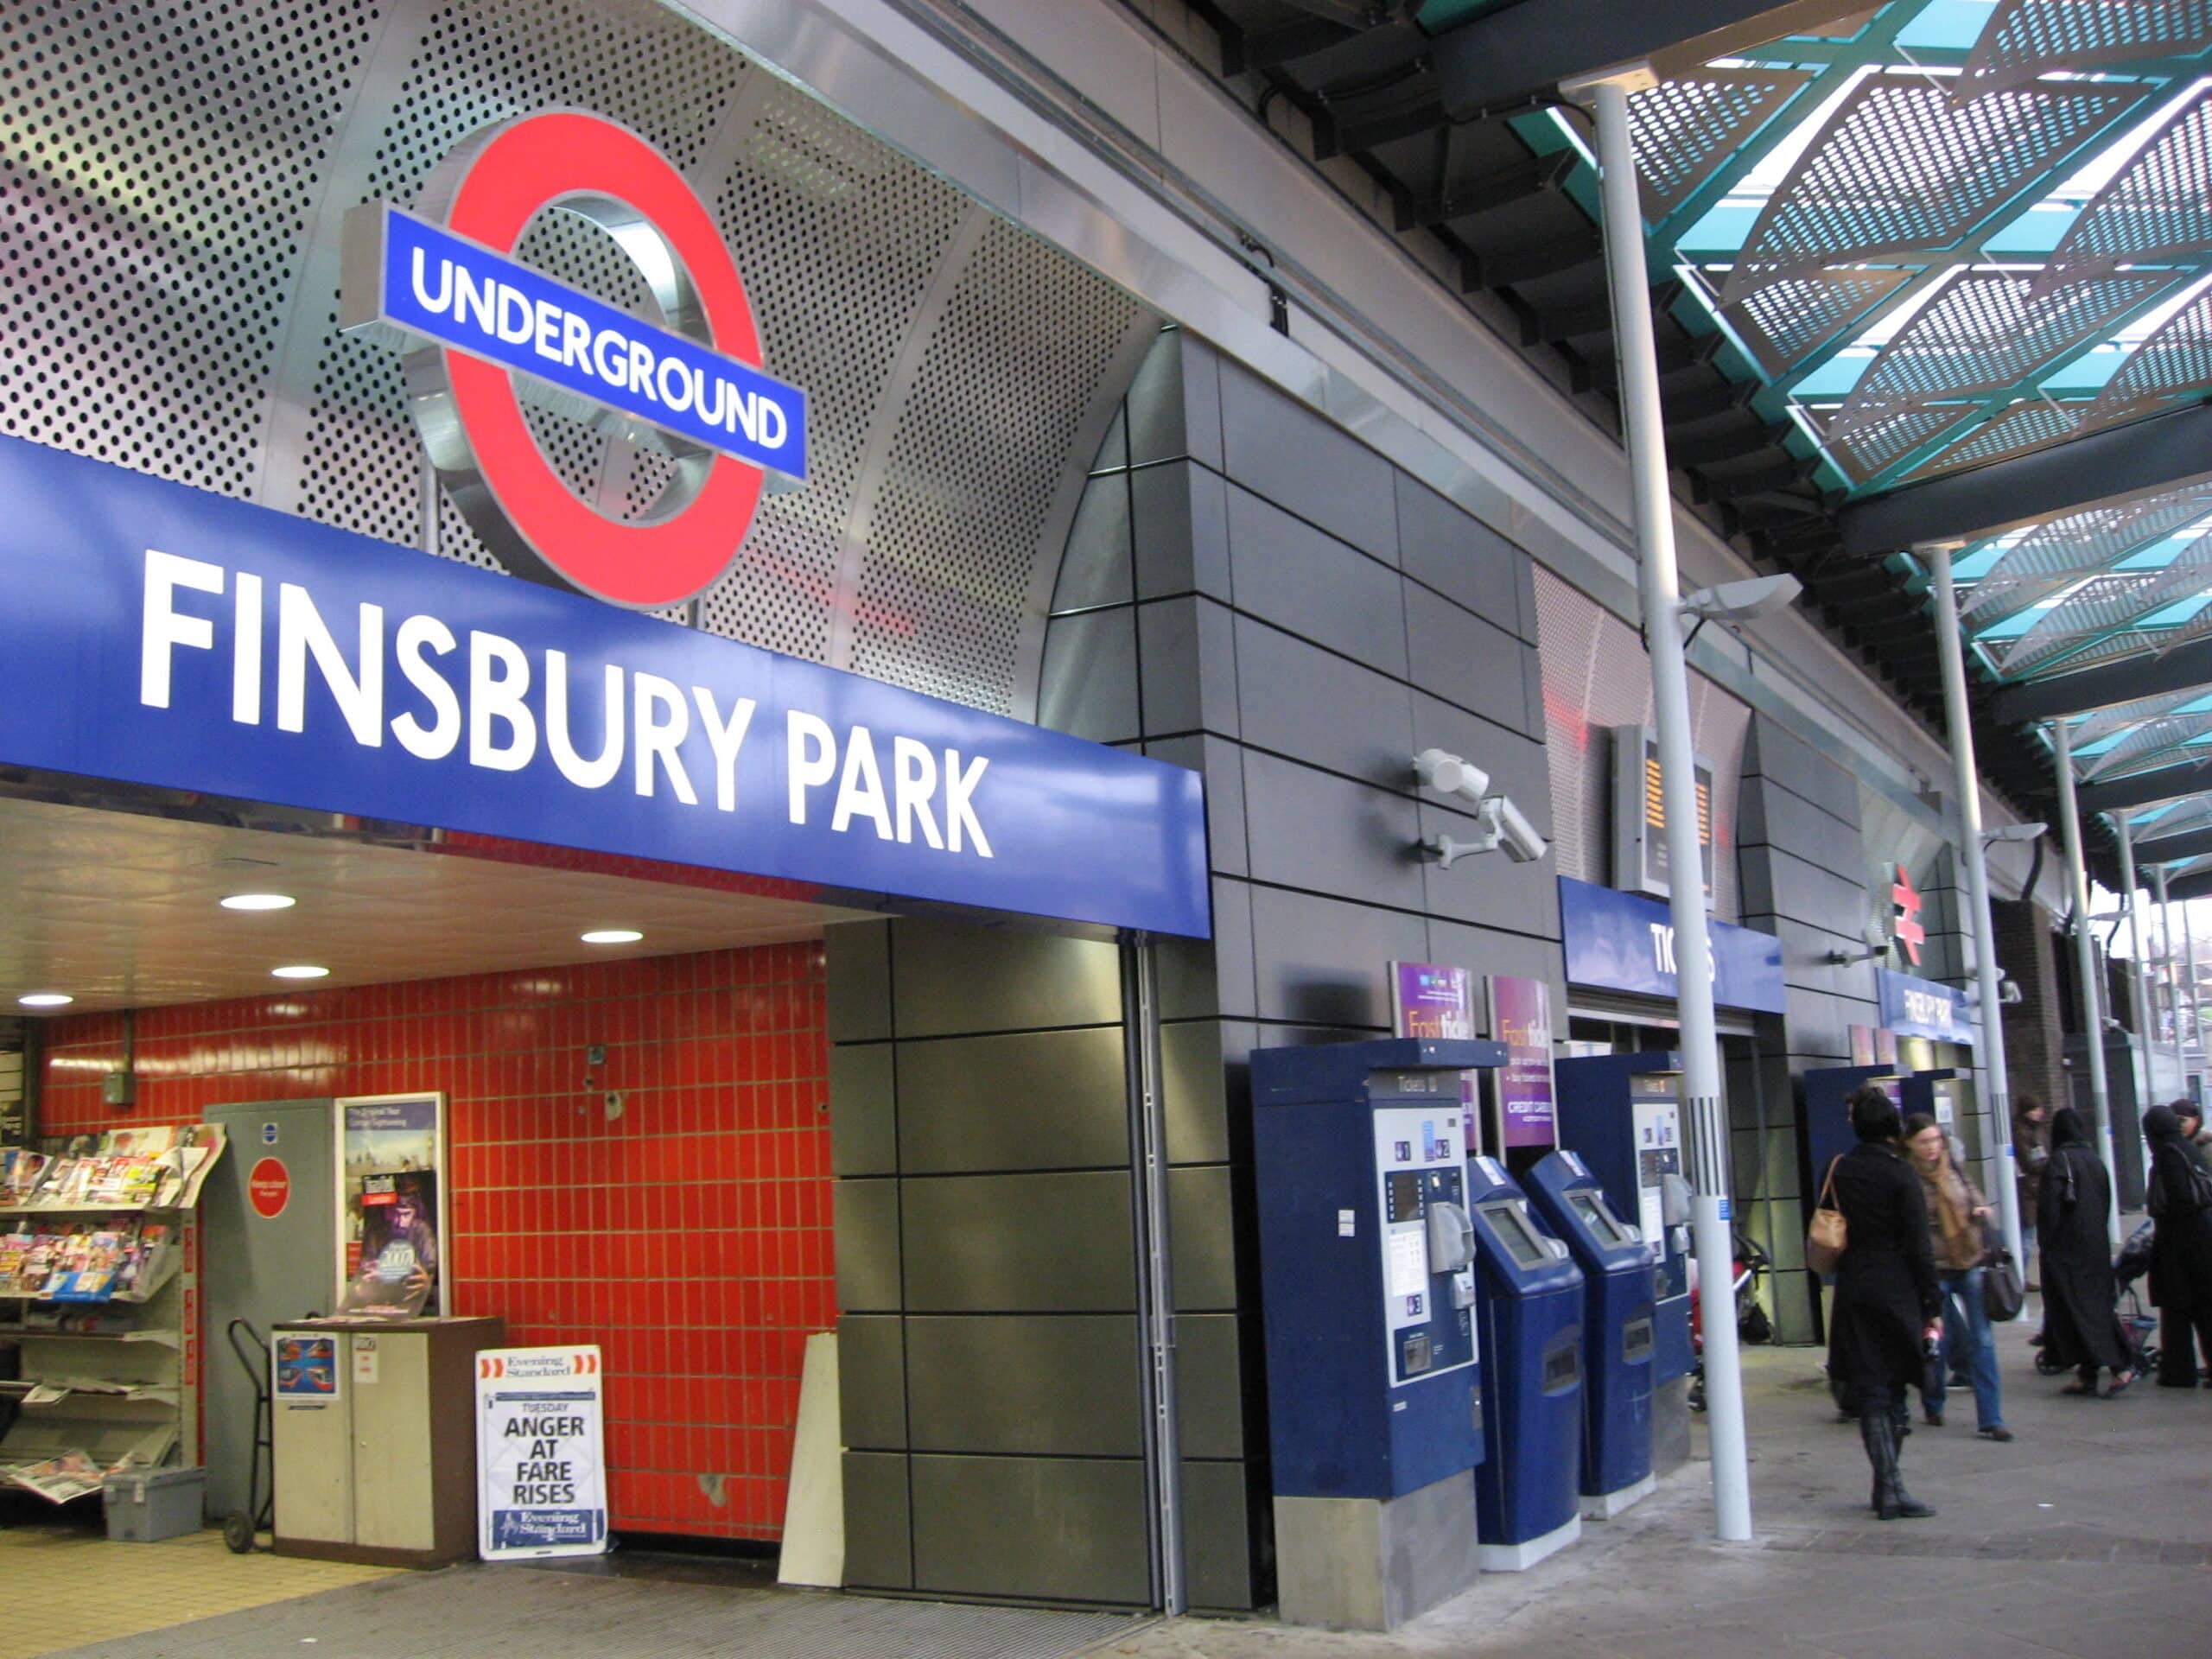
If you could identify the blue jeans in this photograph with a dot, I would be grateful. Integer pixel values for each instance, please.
(1966, 1343)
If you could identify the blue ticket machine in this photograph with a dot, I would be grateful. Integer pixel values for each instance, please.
(1619, 1283)
(1621, 1114)
(1375, 1396)
(1529, 1325)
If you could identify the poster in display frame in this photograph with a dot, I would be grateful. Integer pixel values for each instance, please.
(1521, 1018)
(392, 1194)
(541, 1463)
(1435, 1002)
(303, 1370)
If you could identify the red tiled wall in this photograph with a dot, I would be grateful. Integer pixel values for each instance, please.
(691, 1237)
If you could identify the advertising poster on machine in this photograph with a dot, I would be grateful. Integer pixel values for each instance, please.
(391, 1206)
(541, 1468)
(1521, 1018)
(1432, 1002)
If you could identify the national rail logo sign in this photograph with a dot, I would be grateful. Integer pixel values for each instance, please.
(482, 328)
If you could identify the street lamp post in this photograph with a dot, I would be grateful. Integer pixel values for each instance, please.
(2085, 959)
(1704, 1111)
(2173, 977)
(1967, 787)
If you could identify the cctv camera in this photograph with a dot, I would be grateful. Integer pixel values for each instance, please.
(1450, 775)
(1512, 830)
(2009, 993)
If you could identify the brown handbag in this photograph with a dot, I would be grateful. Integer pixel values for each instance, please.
(1827, 1237)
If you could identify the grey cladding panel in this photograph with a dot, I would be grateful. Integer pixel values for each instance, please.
(1298, 700)
(879, 1552)
(1217, 1536)
(1777, 883)
(1054, 1529)
(1056, 1244)
(1278, 449)
(1188, 656)
(1174, 404)
(858, 955)
(1064, 1386)
(1208, 1386)
(1194, 1092)
(1489, 890)
(1314, 830)
(1460, 555)
(1034, 1100)
(1771, 751)
(1769, 816)
(871, 1381)
(1221, 763)
(863, 1110)
(1204, 1236)
(867, 1222)
(1516, 764)
(1088, 686)
(1201, 977)
(1291, 575)
(1820, 1025)
(1096, 568)
(953, 979)
(1320, 961)
(1460, 657)
(1181, 519)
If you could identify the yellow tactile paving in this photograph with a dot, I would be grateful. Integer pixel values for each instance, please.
(171, 1583)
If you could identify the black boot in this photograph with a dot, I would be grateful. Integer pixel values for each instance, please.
(1890, 1500)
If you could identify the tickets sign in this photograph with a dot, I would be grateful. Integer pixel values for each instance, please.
(541, 1465)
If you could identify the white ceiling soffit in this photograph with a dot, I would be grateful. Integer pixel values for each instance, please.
(118, 911)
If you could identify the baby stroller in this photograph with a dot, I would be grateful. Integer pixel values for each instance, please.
(2140, 1323)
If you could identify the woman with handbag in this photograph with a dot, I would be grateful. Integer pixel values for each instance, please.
(2081, 1327)
(1884, 1320)
(1957, 1219)
(2181, 1246)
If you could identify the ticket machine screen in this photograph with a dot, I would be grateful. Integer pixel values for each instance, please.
(1598, 1219)
(1513, 1231)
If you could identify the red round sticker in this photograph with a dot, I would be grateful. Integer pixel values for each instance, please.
(269, 1187)
(496, 189)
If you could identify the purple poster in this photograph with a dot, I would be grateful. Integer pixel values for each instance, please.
(1430, 1001)
(1521, 1018)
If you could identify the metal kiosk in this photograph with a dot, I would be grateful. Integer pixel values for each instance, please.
(1529, 1315)
(1374, 1398)
(1618, 1283)
(1621, 1114)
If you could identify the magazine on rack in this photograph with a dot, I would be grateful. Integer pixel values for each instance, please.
(126, 1169)
(71, 1475)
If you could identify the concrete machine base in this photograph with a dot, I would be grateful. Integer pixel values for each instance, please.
(1606, 1505)
(1670, 1426)
(1519, 1558)
(1371, 1564)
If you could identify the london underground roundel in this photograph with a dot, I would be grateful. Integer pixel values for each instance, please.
(485, 333)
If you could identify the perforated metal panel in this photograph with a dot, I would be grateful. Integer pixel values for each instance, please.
(1596, 674)
(1785, 323)
(2022, 428)
(174, 178)
(2153, 741)
(2089, 728)
(2060, 551)
(1900, 168)
(2118, 599)
(1686, 128)
(2024, 38)
(1866, 437)
(2175, 361)
(2156, 207)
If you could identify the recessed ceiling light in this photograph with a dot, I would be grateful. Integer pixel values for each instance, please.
(46, 1000)
(259, 901)
(612, 936)
(300, 970)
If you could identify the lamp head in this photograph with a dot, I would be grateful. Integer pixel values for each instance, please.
(1742, 601)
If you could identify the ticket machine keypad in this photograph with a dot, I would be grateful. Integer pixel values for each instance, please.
(1420, 1162)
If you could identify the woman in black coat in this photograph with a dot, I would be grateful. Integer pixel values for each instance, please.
(2081, 1327)
(2180, 1248)
(1887, 1299)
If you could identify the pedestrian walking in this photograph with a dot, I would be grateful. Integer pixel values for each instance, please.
(2031, 1152)
(1958, 1220)
(1884, 1324)
(2081, 1327)
(2181, 1245)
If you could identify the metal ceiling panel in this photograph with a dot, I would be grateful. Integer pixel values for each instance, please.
(2025, 426)
(1901, 168)
(2149, 743)
(2026, 38)
(1687, 129)
(1784, 324)
(1868, 437)
(2159, 208)
(2175, 361)
(2093, 729)
(2060, 551)
(2113, 602)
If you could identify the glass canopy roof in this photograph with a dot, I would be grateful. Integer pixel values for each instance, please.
(1942, 233)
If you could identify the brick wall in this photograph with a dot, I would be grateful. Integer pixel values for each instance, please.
(690, 1237)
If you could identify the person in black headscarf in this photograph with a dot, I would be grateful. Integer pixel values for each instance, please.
(2181, 1246)
(1884, 1322)
(2081, 1327)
